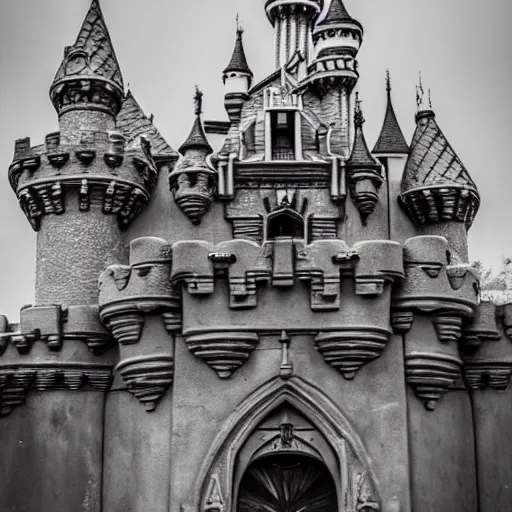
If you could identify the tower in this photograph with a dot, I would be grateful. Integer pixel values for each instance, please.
(292, 22)
(237, 78)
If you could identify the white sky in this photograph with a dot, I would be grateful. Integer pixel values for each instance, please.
(165, 47)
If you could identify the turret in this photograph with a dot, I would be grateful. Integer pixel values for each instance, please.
(193, 180)
(84, 186)
(364, 172)
(391, 148)
(437, 191)
(237, 78)
(332, 73)
(292, 21)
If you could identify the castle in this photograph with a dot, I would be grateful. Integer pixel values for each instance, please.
(287, 322)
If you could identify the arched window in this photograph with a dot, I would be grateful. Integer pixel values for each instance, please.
(285, 222)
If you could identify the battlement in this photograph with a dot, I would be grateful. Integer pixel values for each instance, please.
(124, 177)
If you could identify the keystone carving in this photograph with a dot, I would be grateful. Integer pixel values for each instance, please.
(446, 294)
(128, 294)
(42, 176)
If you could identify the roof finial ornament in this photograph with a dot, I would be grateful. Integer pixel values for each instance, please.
(429, 100)
(239, 28)
(420, 94)
(358, 114)
(198, 102)
(388, 81)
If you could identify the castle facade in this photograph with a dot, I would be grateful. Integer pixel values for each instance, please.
(285, 322)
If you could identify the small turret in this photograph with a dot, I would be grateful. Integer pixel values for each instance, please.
(391, 148)
(337, 40)
(364, 172)
(292, 21)
(437, 191)
(89, 78)
(193, 180)
(237, 78)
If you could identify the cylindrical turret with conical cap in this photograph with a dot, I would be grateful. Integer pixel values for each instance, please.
(237, 78)
(292, 21)
(83, 186)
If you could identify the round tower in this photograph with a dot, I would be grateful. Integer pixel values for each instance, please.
(292, 21)
(84, 186)
(332, 73)
(237, 78)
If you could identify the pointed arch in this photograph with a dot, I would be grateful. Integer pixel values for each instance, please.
(306, 398)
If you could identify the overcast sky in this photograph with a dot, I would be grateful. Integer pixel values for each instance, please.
(165, 47)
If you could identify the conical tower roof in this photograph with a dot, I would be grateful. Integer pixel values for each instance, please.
(132, 122)
(436, 187)
(197, 137)
(92, 55)
(432, 160)
(361, 156)
(391, 138)
(336, 14)
(238, 62)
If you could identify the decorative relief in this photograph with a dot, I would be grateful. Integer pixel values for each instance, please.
(444, 293)
(147, 377)
(349, 350)
(486, 348)
(128, 294)
(42, 176)
(17, 380)
(214, 501)
(224, 351)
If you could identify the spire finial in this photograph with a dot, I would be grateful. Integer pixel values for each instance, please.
(429, 100)
(358, 114)
(420, 93)
(388, 81)
(198, 102)
(239, 28)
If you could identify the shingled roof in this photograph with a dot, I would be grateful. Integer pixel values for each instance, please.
(92, 55)
(238, 62)
(197, 137)
(361, 156)
(391, 138)
(436, 186)
(432, 160)
(132, 122)
(337, 13)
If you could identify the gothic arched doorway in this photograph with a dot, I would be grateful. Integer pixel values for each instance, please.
(287, 483)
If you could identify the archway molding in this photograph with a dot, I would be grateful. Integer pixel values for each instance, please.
(357, 480)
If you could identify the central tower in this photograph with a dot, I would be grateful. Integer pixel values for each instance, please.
(292, 21)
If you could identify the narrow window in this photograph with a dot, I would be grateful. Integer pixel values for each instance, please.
(283, 135)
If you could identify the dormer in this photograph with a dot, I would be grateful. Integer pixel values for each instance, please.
(283, 124)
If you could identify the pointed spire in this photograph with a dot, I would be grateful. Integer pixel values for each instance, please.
(436, 187)
(91, 57)
(337, 14)
(361, 156)
(132, 122)
(238, 62)
(197, 137)
(391, 138)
